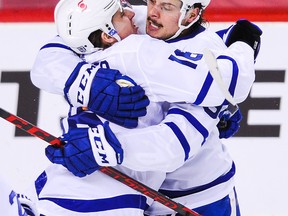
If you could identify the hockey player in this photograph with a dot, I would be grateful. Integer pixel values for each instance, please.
(184, 112)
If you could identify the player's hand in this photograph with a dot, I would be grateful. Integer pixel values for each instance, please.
(108, 93)
(86, 149)
(117, 98)
(229, 124)
(247, 32)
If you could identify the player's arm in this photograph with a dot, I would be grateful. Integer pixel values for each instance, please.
(182, 76)
(180, 136)
(53, 65)
(163, 147)
(105, 91)
(243, 30)
(90, 144)
(169, 74)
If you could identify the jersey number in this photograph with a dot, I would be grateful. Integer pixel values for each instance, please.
(189, 58)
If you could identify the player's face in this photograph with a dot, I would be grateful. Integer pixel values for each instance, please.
(122, 21)
(162, 18)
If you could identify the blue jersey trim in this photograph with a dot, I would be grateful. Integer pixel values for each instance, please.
(180, 136)
(56, 45)
(235, 74)
(40, 182)
(98, 205)
(205, 88)
(219, 180)
(199, 127)
(95, 205)
(209, 79)
(198, 29)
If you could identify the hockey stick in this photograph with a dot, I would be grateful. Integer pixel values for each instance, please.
(214, 70)
(117, 175)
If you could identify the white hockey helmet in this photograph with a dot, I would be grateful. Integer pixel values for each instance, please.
(186, 6)
(77, 19)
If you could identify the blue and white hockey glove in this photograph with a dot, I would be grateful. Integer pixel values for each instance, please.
(117, 98)
(244, 31)
(86, 149)
(229, 124)
(108, 93)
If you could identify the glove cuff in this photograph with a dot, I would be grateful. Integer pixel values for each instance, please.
(77, 88)
(103, 152)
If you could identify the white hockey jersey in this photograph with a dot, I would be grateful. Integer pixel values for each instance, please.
(166, 73)
(184, 149)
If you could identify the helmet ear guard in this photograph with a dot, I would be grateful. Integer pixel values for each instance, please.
(77, 19)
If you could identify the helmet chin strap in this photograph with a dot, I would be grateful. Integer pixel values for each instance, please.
(182, 27)
(112, 30)
(116, 36)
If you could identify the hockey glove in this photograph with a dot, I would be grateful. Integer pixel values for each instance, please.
(108, 93)
(229, 124)
(86, 149)
(121, 105)
(244, 31)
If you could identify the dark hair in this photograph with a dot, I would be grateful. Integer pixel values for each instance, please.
(201, 20)
(198, 23)
(95, 39)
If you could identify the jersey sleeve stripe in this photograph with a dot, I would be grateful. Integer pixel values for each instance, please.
(235, 73)
(204, 90)
(99, 205)
(93, 205)
(180, 136)
(202, 130)
(224, 178)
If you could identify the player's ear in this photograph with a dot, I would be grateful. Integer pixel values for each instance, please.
(107, 40)
(191, 15)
